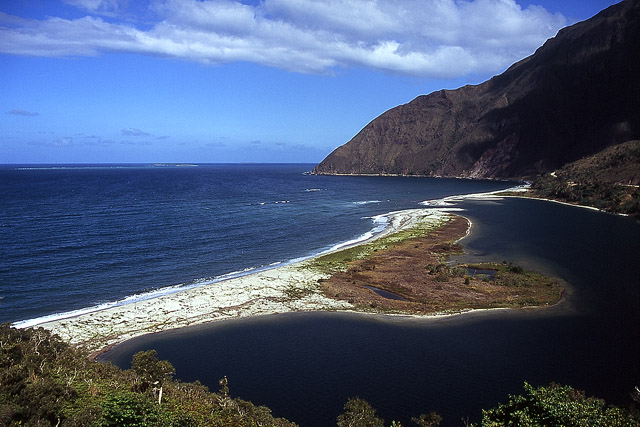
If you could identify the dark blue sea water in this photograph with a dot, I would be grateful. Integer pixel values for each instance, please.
(305, 366)
(77, 237)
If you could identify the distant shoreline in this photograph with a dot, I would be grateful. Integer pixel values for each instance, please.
(403, 175)
(526, 185)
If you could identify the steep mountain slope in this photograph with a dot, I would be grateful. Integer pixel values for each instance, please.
(578, 94)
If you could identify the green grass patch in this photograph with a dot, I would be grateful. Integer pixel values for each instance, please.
(513, 275)
(338, 261)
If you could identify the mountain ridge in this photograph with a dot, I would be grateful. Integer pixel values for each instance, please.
(575, 96)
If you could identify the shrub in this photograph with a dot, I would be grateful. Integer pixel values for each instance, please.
(358, 412)
(555, 405)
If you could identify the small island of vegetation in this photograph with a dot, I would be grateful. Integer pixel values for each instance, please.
(407, 272)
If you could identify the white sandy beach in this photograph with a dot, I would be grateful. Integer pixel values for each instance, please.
(288, 288)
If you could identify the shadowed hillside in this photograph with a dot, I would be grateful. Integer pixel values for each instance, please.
(577, 95)
(608, 180)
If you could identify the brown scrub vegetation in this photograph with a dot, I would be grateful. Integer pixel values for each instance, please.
(415, 274)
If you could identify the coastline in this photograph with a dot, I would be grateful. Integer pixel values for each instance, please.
(286, 288)
(525, 191)
(290, 287)
(526, 188)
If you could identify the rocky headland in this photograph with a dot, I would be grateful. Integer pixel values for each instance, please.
(576, 96)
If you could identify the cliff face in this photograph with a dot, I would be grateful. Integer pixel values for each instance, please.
(578, 94)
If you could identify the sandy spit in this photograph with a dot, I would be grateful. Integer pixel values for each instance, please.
(287, 288)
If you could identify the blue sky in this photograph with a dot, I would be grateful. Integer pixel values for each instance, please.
(103, 81)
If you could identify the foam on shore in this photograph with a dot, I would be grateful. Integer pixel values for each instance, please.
(449, 201)
(380, 223)
(446, 203)
(286, 287)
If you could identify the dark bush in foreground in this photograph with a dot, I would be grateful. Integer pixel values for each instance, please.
(556, 405)
(46, 382)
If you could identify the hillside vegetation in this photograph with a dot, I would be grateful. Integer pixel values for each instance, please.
(46, 382)
(608, 180)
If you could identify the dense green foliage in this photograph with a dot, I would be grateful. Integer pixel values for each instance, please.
(556, 405)
(46, 382)
(550, 406)
(608, 197)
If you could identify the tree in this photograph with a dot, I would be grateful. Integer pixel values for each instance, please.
(125, 408)
(555, 405)
(46, 382)
(152, 372)
(359, 413)
(224, 391)
(428, 420)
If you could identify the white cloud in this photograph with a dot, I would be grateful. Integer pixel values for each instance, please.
(430, 38)
(21, 112)
(96, 6)
(134, 132)
(50, 139)
(65, 141)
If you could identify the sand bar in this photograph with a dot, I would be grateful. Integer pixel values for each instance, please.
(287, 288)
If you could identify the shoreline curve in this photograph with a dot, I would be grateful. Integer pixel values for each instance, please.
(284, 288)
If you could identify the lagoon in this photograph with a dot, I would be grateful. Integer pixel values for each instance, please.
(305, 365)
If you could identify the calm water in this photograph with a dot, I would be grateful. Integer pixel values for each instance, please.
(305, 366)
(73, 238)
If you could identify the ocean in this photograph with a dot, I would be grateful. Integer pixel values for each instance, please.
(75, 238)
